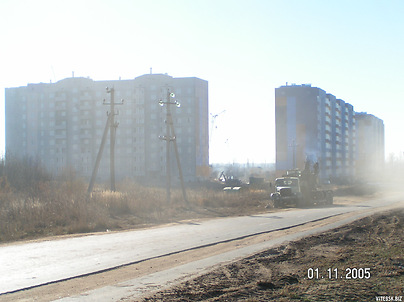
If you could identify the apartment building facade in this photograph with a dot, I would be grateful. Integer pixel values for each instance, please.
(62, 125)
(316, 126)
(370, 146)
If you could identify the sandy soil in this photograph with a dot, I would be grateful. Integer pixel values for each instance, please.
(289, 273)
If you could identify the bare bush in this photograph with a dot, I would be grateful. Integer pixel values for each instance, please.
(23, 174)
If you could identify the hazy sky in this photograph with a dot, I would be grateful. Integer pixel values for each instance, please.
(245, 49)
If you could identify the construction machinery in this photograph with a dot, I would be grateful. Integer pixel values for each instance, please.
(230, 181)
(300, 188)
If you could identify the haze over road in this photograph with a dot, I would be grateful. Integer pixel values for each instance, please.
(25, 265)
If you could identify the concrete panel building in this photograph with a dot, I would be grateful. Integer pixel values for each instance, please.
(316, 126)
(370, 146)
(62, 124)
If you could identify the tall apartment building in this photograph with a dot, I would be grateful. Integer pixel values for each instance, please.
(369, 145)
(62, 124)
(316, 126)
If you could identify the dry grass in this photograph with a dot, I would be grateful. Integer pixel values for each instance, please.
(54, 209)
(45, 207)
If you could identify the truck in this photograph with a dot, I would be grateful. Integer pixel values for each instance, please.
(300, 188)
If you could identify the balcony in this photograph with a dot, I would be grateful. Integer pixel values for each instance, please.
(60, 105)
(85, 124)
(60, 124)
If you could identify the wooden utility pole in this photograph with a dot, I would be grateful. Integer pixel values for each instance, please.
(112, 125)
(168, 140)
(112, 139)
(170, 137)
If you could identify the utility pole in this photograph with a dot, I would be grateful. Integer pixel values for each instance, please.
(293, 145)
(170, 137)
(99, 155)
(112, 125)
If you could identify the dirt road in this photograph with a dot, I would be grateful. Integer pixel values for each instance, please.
(362, 261)
(270, 274)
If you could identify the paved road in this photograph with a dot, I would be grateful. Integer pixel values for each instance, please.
(32, 264)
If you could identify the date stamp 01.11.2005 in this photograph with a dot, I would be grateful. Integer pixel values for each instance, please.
(335, 273)
(347, 274)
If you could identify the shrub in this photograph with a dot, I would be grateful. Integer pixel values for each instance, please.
(23, 174)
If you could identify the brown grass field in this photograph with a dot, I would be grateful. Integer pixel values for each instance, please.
(59, 207)
(35, 205)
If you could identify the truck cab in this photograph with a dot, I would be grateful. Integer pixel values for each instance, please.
(287, 191)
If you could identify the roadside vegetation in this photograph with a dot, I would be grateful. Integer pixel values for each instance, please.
(33, 204)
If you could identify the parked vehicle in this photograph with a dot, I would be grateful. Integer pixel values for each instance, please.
(299, 188)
